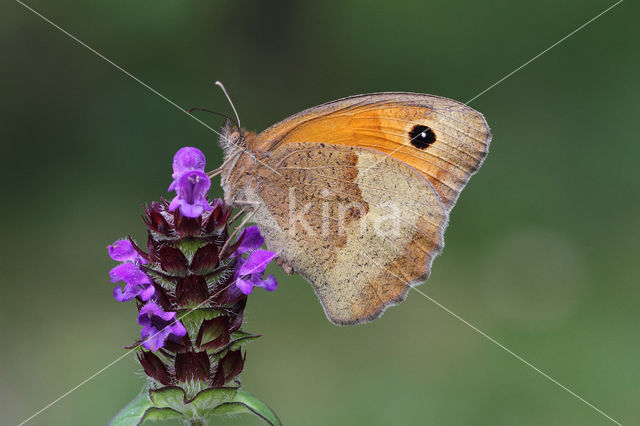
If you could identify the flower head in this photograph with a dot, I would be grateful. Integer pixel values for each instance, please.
(191, 189)
(157, 326)
(190, 272)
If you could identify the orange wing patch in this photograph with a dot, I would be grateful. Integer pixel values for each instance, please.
(444, 140)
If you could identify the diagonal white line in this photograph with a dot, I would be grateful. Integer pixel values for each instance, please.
(544, 51)
(142, 83)
(64, 395)
(515, 355)
(513, 72)
(494, 341)
(145, 85)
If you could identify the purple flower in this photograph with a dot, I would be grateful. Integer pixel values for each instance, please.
(251, 241)
(123, 251)
(186, 160)
(137, 282)
(191, 189)
(249, 272)
(157, 326)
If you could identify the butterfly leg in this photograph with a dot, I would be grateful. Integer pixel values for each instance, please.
(241, 225)
(237, 215)
(250, 204)
(216, 172)
(246, 205)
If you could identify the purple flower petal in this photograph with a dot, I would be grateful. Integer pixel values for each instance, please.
(137, 282)
(256, 263)
(191, 190)
(153, 340)
(269, 284)
(177, 329)
(187, 159)
(175, 203)
(145, 291)
(191, 210)
(157, 326)
(130, 273)
(122, 250)
(251, 241)
(123, 296)
(152, 309)
(245, 286)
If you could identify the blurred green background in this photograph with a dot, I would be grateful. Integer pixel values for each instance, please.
(542, 249)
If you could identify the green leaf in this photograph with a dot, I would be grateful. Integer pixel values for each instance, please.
(154, 414)
(244, 402)
(173, 398)
(169, 403)
(168, 397)
(139, 410)
(209, 399)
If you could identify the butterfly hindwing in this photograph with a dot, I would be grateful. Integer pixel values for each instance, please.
(358, 226)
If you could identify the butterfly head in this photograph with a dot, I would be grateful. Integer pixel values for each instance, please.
(238, 152)
(230, 137)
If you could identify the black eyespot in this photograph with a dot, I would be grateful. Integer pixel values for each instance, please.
(421, 136)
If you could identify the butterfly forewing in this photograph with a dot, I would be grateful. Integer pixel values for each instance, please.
(444, 140)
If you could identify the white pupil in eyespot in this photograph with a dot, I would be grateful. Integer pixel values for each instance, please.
(423, 134)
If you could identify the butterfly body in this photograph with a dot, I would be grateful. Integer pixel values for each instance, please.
(355, 194)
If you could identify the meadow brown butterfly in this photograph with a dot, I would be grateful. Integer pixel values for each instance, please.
(355, 194)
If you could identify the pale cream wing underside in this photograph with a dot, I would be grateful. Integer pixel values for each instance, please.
(358, 226)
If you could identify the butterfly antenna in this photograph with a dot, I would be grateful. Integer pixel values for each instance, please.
(190, 110)
(219, 84)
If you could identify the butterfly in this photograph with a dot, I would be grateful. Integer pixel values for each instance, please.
(354, 195)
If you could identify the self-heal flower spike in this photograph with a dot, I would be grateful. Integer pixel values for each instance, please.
(191, 296)
(191, 189)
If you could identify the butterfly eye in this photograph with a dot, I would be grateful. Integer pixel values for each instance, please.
(234, 137)
(421, 136)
